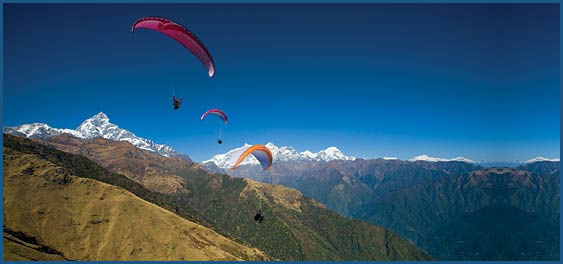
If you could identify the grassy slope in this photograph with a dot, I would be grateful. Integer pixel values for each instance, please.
(18, 246)
(154, 172)
(296, 227)
(84, 219)
(302, 231)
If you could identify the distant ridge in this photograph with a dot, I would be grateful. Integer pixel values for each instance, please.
(284, 153)
(93, 127)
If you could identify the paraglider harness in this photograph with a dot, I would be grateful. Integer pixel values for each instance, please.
(259, 217)
(176, 102)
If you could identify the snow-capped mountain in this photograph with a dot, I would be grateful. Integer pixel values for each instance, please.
(284, 153)
(432, 159)
(93, 127)
(537, 159)
(40, 130)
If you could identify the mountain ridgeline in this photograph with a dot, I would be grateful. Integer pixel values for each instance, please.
(454, 210)
(52, 214)
(295, 227)
(492, 214)
(93, 127)
(348, 186)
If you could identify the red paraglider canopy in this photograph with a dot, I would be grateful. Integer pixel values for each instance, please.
(216, 112)
(180, 34)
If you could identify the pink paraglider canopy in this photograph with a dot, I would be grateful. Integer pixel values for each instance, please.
(180, 34)
(216, 112)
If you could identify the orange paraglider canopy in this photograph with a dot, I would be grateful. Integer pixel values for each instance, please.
(260, 152)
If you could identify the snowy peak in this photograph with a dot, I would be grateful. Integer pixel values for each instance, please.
(331, 153)
(462, 159)
(432, 159)
(30, 129)
(39, 130)
(288, 153)
(538, 159)
(93, 127)
(98, 120)
(284, 153)
(224, 160)
(426, 158)
(99, 126)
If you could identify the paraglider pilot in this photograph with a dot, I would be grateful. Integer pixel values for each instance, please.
(259, 217)
(217, 113)
(176, 102)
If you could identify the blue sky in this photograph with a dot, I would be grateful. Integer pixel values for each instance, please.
(474, 80)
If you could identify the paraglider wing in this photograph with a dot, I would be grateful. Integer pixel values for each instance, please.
(260, 152)
(180, 34)
(216, 112)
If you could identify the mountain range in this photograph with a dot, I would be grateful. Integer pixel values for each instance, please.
(99, 126)
(295, 226)
(425, 199)
(538, 159)
(489, 214)
(432, 159)
(93, 127)
(440, 205)
(289, 153)
(280, 154)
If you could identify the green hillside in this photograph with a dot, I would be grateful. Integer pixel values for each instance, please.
(493, 214)
(296, 227)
